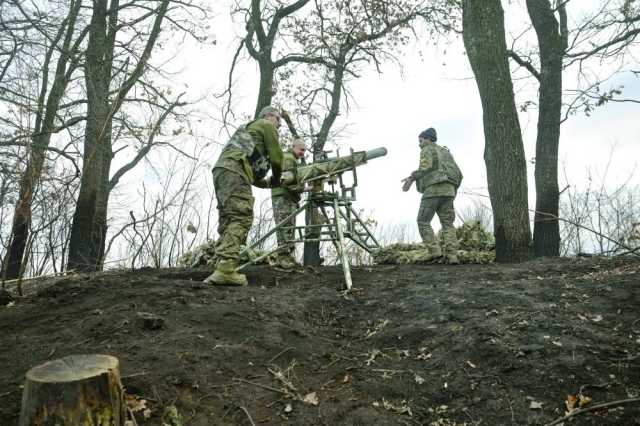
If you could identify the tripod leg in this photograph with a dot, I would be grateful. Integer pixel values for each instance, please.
(334, 237)
(343, 253)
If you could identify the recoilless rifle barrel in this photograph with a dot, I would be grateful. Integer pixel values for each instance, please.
(331, 167)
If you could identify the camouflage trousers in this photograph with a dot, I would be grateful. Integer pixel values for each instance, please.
(443, 207)
(282, 208)
(235, 213)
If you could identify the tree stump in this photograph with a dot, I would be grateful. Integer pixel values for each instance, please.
(78, 390)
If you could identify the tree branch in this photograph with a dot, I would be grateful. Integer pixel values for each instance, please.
(525, 64)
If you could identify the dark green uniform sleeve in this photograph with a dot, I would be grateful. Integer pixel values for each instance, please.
(266, 134)
(274, 152)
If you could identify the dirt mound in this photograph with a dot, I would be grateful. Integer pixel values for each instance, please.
(430, 344)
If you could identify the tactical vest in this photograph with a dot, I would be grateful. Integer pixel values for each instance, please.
(443, 169)
(254, 152)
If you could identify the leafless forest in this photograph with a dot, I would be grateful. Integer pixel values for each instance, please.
(105, 162)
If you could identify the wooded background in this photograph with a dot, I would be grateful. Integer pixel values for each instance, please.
(105, 154)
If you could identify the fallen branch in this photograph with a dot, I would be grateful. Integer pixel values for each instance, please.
(261, 386)
(279, 354)
(592, 408)
(2, 395)
(248, 415)
(293, 390)
(56, 274)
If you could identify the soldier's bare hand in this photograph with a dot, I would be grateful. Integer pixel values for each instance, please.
(406, 184)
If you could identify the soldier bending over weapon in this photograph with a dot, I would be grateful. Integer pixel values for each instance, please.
(245, 160)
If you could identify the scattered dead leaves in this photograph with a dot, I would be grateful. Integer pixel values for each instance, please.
(399, 408)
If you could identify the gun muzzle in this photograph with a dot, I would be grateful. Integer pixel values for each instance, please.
(376, 153)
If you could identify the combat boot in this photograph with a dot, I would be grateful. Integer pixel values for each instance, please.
(433, 251)
(452, 259)
(226, 274)
(287, 262)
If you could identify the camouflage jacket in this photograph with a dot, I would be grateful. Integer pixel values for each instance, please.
(290, 192)
(436, 174)
(252, 151)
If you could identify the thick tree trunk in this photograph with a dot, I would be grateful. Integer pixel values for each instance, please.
(22, 213)
(546, 231)
(265, 91)
(483, 32)
(88, 232)
(312, 216)
(77, 390)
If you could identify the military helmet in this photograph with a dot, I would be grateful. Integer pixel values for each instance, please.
(430, 134)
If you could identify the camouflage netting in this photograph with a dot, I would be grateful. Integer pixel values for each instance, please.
(475, 244)
(205, 255)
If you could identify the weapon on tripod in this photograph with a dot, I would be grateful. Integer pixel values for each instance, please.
(341, 221)
(331, 167)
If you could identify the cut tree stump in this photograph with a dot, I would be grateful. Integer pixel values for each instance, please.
(77, 390)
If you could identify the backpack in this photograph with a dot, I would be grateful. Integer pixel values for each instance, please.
(445, 170)
(450, 167)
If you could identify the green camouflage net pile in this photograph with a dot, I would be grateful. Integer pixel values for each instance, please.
(475, 245)
(205, 255)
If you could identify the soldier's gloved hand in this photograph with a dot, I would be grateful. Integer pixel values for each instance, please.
(275, 183)
(406, 183)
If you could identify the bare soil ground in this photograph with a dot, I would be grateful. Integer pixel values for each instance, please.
(429, 345)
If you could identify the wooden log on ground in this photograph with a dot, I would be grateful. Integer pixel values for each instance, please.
(78, 390)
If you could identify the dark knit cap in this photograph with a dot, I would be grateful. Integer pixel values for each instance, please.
(430, 134)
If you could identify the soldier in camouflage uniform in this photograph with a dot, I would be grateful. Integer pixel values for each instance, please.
(285, 201)
(437, 178)
(245, 160)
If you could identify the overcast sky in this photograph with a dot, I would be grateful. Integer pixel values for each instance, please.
(433, 89)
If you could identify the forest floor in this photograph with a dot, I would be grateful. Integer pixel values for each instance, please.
(429, 345)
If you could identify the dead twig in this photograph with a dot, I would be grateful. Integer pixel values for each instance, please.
(260, 385)
(521, 317)
(132, 417)
(280, 377)
(248, 415)
(2, 395)
(279, 354)
(128, 376)
(593, 408)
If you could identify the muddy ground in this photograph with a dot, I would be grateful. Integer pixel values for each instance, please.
(429, 345)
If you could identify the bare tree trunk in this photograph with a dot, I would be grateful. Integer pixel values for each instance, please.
(44, 126)
(552, 44)
(483, 32)
(88, 232)
(311, 255)
(265, 91)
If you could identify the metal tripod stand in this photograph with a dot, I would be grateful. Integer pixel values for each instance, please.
(339, 222)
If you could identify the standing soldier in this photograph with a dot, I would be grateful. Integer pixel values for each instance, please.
(437, 178)
(245, 160)
(285, 201)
